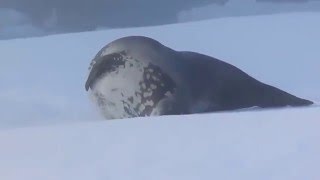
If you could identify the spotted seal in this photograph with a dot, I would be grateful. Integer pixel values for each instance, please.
(138, 76)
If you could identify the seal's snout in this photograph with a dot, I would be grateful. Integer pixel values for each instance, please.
(89, 81)
(91, 78)
(87, 86)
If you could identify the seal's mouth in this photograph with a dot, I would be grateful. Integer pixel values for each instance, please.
(87, 86)
(95, 72)
(90, 80)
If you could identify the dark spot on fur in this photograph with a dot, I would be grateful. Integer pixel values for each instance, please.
(130, 99)
(114, 89)
(159, 92)
(128, 110)
(101, 101)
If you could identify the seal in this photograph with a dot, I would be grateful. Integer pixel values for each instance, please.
(138, 76)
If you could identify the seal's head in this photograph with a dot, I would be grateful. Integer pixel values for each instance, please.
(127, 78)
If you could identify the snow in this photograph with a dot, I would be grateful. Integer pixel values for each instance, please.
(50, 130)
(246, 145)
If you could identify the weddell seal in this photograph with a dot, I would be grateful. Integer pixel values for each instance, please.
(138, 76)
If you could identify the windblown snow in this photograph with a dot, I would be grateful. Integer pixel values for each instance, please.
(49, 129)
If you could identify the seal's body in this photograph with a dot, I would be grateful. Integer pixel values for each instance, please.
(138, 76)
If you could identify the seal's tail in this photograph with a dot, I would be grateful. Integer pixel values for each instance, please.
(274, 97)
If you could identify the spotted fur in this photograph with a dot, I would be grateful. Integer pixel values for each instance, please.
(138, 87)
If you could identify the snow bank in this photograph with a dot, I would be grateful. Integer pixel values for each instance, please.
(277, 144)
